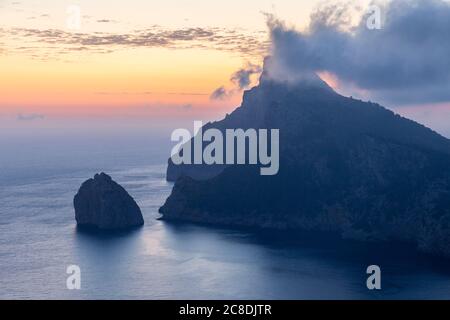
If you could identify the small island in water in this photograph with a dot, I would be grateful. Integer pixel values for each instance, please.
(103, 204)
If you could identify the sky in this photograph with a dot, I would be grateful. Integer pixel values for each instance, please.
(160, 57)
(139, 59)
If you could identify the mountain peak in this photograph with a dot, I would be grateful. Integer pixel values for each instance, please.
(347, 166)
(273, 75)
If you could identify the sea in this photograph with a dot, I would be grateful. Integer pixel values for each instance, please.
(39, 239)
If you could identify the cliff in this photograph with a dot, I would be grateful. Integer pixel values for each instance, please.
(346, 166)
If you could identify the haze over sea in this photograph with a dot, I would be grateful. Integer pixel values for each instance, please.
(39, 175)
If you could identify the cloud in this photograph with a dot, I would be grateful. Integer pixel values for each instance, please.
(186, 107)
(114, 93)
(406, 61)
(242, 77)
(220, 94)
(187, 93)
(30, 117)
(107, 21)
(55, 43)
(159, 108)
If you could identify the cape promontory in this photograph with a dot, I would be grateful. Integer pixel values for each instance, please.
(346, 166)
(103, 204)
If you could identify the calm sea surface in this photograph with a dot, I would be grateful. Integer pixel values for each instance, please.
(39, 239)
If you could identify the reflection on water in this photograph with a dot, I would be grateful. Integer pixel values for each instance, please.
(39, 239)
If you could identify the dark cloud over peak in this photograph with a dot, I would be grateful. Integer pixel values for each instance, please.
(406, 61)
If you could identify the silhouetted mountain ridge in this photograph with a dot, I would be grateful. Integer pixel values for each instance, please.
(345, 165)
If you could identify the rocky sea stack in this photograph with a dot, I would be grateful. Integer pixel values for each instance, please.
(346, 166)
(103, 204)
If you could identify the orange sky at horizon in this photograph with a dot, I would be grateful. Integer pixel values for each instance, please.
(50, 70)
(59, 87)
(135, 58)
(126, 57)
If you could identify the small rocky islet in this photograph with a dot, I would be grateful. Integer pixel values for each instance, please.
(103, 204)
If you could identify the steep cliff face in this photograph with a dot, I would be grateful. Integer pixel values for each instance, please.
(345, 165)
